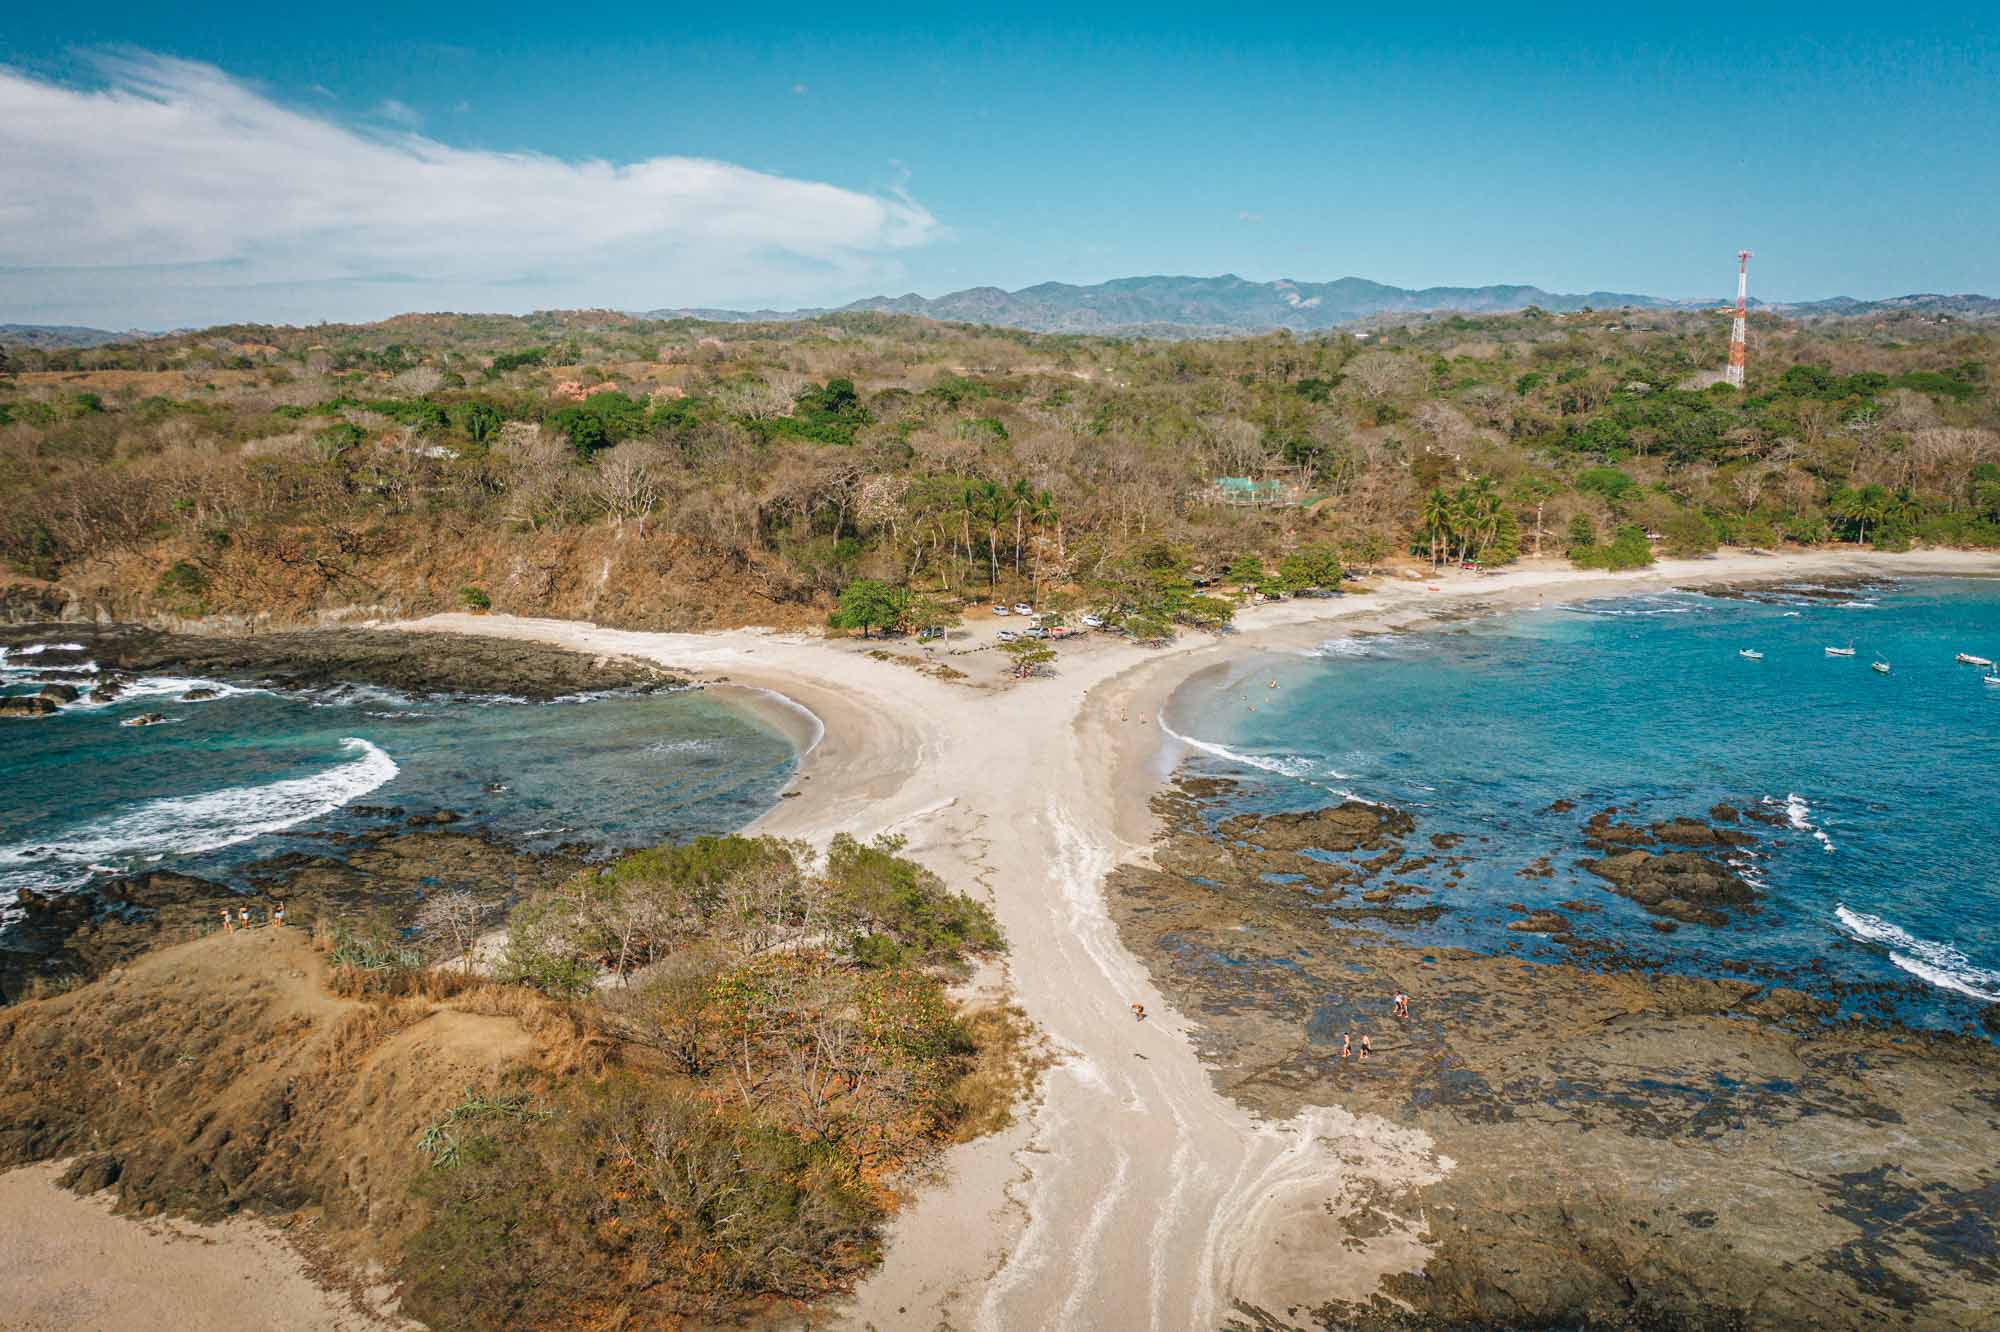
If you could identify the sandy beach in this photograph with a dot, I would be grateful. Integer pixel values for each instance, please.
(1131, 1194)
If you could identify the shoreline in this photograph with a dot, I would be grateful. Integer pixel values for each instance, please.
(1030, 796)
(1132, 1183)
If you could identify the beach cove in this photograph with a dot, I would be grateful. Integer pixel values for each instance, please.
(1136, 1193)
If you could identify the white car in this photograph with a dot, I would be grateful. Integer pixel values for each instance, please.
(1008, 635)
(999, 610)
(1092, 622)
(1023, 608)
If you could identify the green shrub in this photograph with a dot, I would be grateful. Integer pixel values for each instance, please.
(899, 903)
(1609, 482)
(1688, 534)
(474, 598)
(181, 581)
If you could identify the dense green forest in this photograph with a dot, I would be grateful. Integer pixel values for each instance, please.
(679, 473)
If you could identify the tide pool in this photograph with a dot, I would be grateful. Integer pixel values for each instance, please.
(1876, 862)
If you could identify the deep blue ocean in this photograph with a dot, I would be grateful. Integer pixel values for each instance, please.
(1882, 868)
(253, 773)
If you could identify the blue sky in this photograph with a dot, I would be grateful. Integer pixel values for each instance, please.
(327, 152)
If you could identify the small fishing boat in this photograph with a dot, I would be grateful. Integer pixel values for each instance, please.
(1993, 679)
(1967, 659)
(1879, 665)
(1751, 654)
(1847, 651)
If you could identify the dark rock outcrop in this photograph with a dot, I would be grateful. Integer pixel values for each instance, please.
(1682, 884)
(414, 663)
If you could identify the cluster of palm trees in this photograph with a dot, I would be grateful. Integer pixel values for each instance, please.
(972, 506)
(1462, 523)
(1873, 506)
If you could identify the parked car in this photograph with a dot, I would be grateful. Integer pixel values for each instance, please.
(1008, 635)
(1038, 632)
(999, 610)
(930, 633)
(1023, 608)
(1093, 622)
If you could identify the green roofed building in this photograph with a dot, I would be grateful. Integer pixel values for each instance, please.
(1250, 490)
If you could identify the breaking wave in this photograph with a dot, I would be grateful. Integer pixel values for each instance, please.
(1798, 813)
(184, 825)
(1939, 964)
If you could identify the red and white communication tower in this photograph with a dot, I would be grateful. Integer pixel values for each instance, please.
(1734, 374)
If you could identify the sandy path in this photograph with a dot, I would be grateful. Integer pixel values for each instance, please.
(1134, 1195)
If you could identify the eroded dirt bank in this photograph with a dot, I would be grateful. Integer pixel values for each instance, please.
(1630, 1149)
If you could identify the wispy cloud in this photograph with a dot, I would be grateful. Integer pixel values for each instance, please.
(1247, 216)
(400, 112)
(176, 187)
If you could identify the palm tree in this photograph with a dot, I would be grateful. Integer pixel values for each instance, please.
(1478, 508)
(1023, 500)
(1436, 515)
(1868, 505)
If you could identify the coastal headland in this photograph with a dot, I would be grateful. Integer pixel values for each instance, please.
(1152, 1184)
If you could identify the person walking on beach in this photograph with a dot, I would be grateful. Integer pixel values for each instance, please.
(1346, 1045)
(1402, 1004)
(227, 926)
(1139, 1012)
(243, 916)
(1366, 1050)
(278, 916)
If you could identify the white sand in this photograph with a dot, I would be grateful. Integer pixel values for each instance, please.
(1132, 1195)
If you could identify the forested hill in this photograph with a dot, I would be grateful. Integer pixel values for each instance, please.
(679, 474)
(1200, 306)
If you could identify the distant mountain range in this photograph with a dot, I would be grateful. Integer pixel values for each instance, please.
(1230, 304)
(1197, 306)
(62, 336)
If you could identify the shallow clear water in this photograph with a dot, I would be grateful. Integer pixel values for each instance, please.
(253, 773)
(1885, 867)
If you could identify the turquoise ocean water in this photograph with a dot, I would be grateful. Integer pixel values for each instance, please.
(252, 773)
(1880, 875)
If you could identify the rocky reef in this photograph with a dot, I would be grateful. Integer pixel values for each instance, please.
(378, 877)
(304, 659)
(1628, 1149)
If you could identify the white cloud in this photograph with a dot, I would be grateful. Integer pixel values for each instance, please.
(178, 188)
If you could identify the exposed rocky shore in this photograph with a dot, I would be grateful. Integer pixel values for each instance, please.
(374, 879)
(317, 658)
(1628, 1148)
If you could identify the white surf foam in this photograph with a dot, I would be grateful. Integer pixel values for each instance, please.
(184, 825)
(1799, 814)
(159, 686)
(1940, 964)
(1284, 765)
